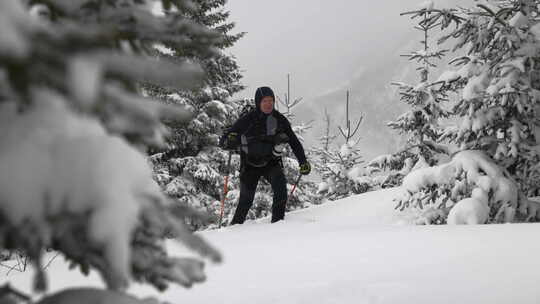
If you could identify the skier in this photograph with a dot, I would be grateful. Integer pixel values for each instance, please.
(261, 135)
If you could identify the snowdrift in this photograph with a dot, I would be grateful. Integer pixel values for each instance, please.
(355, 250)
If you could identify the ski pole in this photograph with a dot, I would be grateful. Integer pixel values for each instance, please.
(295, 184)
(225, 189)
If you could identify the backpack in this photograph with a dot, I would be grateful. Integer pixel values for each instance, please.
(246, 109)
(258, 150)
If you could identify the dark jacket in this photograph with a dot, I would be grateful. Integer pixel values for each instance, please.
(258, 133)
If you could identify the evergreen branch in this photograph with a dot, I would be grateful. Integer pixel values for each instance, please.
(492, 14)
(432, 26)
(51, 260)
(281, 101)
(340, 157)
(333, 173)
(296, 101)
(415, 13)
(357, 126)
(342, 133)
(434, 10)
(504, 11)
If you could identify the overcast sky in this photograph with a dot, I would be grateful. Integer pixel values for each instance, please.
(321, 43)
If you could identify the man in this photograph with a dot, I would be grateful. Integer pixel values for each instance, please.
(260, 134)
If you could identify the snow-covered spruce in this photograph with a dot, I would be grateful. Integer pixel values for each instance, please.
(420, 124)
(209, 103)
(341, 172)
(388, 170)
(498, 86)
(191, 168)
(65, 183)
(71, 178)
(429, 194)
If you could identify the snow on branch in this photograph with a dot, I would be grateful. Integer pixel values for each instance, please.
(469, 168)
(73, 123)
(102, 209)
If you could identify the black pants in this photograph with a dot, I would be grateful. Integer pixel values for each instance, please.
(249, 178)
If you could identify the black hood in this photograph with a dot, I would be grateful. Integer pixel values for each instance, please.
(260, 93)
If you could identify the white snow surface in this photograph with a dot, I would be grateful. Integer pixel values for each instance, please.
(355, 250)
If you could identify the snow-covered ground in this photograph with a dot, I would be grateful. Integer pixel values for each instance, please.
(355, 250)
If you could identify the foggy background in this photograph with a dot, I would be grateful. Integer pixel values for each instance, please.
(329, 47)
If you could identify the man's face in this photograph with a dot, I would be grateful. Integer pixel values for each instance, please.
(267, 104)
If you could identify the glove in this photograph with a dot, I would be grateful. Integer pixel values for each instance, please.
(305, 168)
(279, 141)
(231, 141)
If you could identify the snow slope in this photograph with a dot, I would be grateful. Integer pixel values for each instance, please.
(355, 251)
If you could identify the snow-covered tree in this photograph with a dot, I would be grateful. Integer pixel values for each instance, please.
(198, 180)
(497, 109)
(472, 188)
(498, 79)
(287, 103)
(328, 136)
(221, 81)
(340, 168)
(420, 124)
(72, 118)
(193, 167)
(325, 142)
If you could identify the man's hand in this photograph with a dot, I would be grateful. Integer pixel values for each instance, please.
(281, 138)
(232, 141)
(305, 168)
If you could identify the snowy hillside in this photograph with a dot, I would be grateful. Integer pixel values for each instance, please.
(356, 250)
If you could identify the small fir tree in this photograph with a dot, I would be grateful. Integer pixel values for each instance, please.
(193, 167)
(340, 169)
(421, 123)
